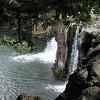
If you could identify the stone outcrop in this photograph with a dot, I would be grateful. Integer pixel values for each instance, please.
(64, 36)
(27, 97)
(61, 38)
(91, 93)
(84, 83)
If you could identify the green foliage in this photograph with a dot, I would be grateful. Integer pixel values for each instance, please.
(42, 34)
(37, 34)
(44, 11)
(43, 8)
(47, 17)
(59, 73)
(22, 48)
(7, 40)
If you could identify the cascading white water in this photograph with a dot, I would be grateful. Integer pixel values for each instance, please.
(48, 55)
(74, 54)
(57, 88)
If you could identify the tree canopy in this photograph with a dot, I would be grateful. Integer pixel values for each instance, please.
(25, 14)
(79, 9)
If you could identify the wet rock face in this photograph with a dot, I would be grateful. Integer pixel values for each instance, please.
(73, 88)
(61, 44)
(84, 83)
(64, 36)
(84, 44)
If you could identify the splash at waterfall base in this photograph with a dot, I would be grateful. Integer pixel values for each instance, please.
(84, 83)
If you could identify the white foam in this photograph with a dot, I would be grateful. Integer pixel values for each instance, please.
(48, 55)
(56, 88)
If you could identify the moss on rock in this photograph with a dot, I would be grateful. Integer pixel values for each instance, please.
(59, 73)
(37, 34)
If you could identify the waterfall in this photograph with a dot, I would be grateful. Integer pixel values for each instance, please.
(47, 56)
(74, 54)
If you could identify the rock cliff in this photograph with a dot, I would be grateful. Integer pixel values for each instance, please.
(84, 83)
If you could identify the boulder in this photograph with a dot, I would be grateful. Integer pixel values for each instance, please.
(82, 74)
(96, 71)
(27, 97)
(74, 88)
(84, 44)
(91, 93)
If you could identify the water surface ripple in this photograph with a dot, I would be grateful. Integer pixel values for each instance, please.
(33, 77)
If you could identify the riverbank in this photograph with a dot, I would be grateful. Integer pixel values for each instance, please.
(9, 38)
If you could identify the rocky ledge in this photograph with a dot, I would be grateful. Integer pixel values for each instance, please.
(27, 97)
(84, 83)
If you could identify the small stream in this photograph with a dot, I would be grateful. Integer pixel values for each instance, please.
(29, 73)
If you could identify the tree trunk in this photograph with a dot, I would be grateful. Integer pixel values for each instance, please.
(19, 27)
